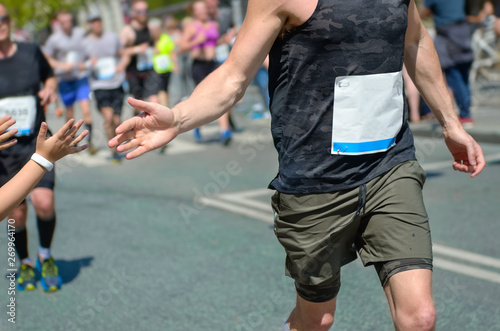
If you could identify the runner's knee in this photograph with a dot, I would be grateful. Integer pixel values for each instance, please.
(423, 318)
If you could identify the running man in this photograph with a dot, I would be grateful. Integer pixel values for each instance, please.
(139, 47)
(348, 177)
(102, 53)
(64, 50)
(23, 68)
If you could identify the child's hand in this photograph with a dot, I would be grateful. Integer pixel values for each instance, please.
(62, 143)
(5, 123)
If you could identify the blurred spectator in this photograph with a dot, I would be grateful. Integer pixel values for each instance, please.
(453, 45)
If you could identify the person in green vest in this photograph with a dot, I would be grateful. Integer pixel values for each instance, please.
(164, 58)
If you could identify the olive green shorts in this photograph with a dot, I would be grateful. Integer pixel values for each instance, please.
(384, 221)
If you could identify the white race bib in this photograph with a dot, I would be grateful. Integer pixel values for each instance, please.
(163, 62)
(367, 113)
(72, 57)
(145, 60)
(221, 53)
(105, 68)
(23, 110)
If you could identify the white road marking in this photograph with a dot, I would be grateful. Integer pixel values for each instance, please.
(230, 207)
(448, 164)
(466, 256)
(466, 270)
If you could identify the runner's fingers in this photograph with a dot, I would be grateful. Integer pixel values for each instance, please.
(458, 166)
(129, 125)
(122, 138)
(131, 144)
(136, 152)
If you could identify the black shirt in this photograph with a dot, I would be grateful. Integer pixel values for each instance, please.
(341, 39)
(22, 75)
(141, 37)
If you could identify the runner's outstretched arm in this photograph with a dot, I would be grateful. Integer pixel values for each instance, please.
(158, 125)
(52, 149)
(423, 66)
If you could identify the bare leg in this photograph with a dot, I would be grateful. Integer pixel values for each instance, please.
(85, 107)
(409, 294)
(163, 98)
(312, 316)
(224, 122)
(109, 122)
(70, 113)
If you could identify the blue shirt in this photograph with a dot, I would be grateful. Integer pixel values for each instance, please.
(447, 11)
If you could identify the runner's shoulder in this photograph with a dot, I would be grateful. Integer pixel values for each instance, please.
(28, 48)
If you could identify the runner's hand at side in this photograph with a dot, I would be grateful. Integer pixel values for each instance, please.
(62, 143)
(47, 95)
(467, 154)
(5, 123)
(153, 128)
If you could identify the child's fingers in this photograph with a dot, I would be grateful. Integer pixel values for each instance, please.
(8, 144)
(8, 135)
(82, 135)
(42, 134)
(78, 149)
(6, 122)
(64, 129)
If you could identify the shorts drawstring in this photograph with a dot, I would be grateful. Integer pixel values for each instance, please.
(361, 205)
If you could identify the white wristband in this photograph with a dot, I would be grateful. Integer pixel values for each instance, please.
(42, 161)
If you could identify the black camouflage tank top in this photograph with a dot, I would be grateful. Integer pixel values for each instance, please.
(341, 38)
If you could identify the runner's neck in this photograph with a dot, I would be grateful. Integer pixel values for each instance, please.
(7, 49)
(138, 26)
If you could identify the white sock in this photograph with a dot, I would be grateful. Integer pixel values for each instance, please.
(286, 327)
(43, 253)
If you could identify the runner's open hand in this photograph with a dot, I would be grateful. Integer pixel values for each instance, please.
(47, 95)
(151, 129)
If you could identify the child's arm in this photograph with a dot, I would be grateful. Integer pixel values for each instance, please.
(51, 149)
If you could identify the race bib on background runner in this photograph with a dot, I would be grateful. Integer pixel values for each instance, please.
(162, 63)
(145, 60)
(23, 110)
(367, 113)
(72, 57)
(221, 53)
(105, 68)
